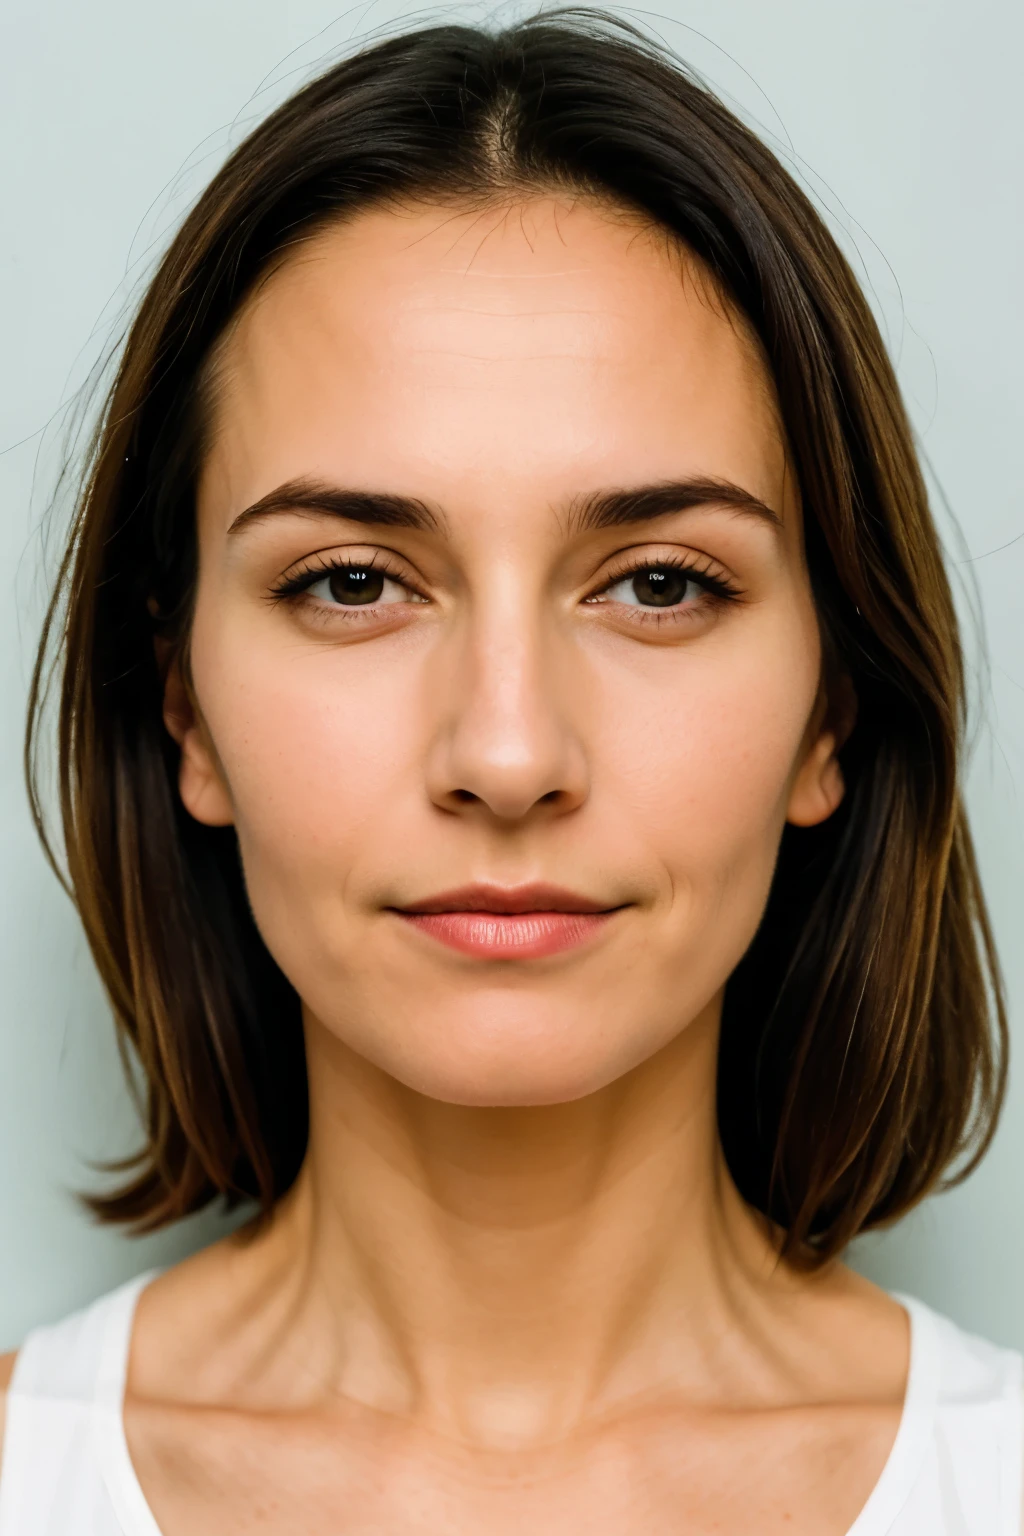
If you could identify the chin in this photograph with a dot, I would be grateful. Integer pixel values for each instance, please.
(525, 1092)
(494, 1052)
(512, 1073)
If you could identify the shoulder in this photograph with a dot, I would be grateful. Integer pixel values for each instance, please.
(52, 1383)
(970, 1369)
(62, 1361)
(976, 1391)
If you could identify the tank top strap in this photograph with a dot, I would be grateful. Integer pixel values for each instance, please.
(135, 1518)
(915, 1434)
(64, 1430)
(963, 1476)
(979, 1430)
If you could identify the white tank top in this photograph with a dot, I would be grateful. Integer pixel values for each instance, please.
(954, 1468)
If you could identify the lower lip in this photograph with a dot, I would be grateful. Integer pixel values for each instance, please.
(506, 935)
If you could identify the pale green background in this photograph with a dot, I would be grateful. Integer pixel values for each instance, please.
(905, 119)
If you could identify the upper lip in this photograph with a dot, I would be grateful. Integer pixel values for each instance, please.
(506, 899)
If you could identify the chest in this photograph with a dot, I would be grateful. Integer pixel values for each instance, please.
(211, 1474)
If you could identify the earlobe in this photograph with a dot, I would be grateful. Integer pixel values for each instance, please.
(819, 786)
(201, 783)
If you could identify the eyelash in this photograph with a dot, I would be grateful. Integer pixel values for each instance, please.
(718, 589)
(295, 585)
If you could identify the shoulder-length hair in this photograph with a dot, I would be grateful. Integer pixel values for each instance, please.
(863, 1046)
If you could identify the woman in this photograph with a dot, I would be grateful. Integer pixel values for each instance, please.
(510, 719)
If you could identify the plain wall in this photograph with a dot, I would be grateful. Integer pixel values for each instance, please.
(906, 121)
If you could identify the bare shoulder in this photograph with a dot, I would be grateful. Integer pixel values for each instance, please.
(187, 1314)
(849, 1340)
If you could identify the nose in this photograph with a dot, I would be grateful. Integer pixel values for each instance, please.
(504, 744)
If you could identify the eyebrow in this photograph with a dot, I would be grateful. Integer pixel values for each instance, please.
(379, 508)
(617, 508)
(586, 513)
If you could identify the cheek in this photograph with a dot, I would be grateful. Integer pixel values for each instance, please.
(318, 746)
(703, 747)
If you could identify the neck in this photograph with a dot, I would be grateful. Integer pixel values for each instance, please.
(510, 1271)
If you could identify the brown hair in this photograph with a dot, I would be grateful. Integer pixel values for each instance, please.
(864, 1040)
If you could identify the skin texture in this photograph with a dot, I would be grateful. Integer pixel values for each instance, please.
(503, 730)
(514, 1282)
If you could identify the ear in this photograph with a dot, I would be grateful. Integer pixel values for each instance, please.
(819, 785)
(201, 783)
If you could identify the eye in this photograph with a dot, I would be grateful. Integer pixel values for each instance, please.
(358, 586)
(656, 586)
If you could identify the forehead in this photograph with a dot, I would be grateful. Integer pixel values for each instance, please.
(522, 352)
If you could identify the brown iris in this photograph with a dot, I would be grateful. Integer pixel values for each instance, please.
(356, 584)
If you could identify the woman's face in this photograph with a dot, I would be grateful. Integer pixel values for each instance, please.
(457, 646)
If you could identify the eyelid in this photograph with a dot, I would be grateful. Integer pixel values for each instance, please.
(310, 569)
(703, 568)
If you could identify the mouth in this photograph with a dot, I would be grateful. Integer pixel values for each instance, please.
(525, 922)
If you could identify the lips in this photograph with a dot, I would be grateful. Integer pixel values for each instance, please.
(508, 923)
